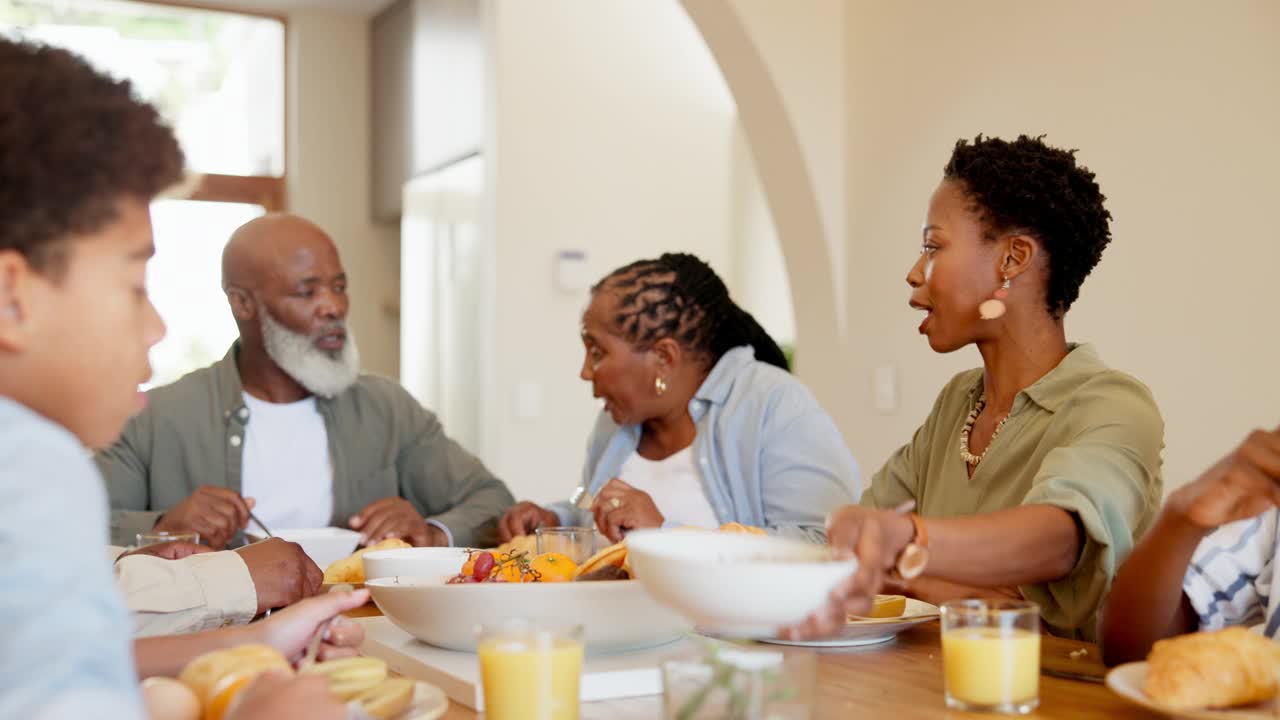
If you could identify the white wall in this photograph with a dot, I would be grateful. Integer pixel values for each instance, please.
(802, 44)
(757, 273)
(1175, 105)
(329, 170)
(613, 134)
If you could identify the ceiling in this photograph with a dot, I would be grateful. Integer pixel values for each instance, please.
(354, 7)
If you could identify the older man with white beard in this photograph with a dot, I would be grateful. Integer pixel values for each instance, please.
(286, 425)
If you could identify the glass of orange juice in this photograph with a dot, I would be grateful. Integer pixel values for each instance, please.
(991, 655)
(530, 669)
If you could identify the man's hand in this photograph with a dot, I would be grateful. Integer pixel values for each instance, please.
(282, 573)
(395, 517)
(618, 508)
(523, 519)
(1241, 485)
(175, 550)
(217, 513)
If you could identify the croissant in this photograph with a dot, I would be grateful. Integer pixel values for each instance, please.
(1213, 670)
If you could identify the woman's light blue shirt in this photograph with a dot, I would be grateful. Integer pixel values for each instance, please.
(767, 453)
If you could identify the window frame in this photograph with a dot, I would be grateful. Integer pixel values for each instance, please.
(269, 191)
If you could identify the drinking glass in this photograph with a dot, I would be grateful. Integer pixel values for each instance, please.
(530, 669)
(991, 655)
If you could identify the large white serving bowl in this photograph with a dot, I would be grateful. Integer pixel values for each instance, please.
(615, 615)
(421, 562)
(732, 584)
(324, 546)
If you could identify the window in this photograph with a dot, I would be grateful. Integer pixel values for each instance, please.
(219, 79)
(185, 283)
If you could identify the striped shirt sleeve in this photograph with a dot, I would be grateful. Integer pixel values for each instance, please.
(1229, 578)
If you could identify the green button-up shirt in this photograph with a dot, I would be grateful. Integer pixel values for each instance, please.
(382, 443)
(1084, 438)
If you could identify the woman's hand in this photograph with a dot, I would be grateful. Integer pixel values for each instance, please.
(875, 538)
(275, 695)
(618, 507)
(523, 519)
(290, 630)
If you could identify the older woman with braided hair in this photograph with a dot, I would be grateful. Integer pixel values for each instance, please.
(702, 422)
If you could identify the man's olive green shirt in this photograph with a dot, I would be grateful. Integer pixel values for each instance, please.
(382, 443)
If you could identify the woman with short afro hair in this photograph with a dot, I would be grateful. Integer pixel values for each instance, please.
(1033, 474)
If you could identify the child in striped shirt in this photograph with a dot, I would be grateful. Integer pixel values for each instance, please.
(1209, 560)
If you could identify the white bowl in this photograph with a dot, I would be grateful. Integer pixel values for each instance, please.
(616, 615)
(745, 586)
(425, 561)
(324, 546)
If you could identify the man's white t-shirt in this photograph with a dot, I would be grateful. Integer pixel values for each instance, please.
(286, 464)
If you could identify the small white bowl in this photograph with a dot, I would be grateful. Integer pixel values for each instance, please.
(737, 585)
(324, 546)
(616, 615)
(425, 561)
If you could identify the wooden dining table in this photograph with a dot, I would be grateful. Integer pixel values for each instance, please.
(899, 680)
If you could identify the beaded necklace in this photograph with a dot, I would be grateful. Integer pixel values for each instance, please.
(968, 457)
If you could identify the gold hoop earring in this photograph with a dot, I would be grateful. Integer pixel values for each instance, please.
(659, 386)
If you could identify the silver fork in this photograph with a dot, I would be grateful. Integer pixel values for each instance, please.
(313, 647)
(581, 499)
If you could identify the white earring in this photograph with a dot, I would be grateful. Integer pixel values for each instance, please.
(995, 307)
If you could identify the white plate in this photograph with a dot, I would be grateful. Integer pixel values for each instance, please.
(872, 631)
(324, 546)
(1128, 680)
(429, 703)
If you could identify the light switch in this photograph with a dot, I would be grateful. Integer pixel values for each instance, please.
(572, 273)
(885, 385)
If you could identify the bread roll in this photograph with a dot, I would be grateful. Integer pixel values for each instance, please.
(203, 673)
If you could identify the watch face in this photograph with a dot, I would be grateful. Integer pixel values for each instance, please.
(912, 562)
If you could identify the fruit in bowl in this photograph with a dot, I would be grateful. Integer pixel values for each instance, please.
(706, 576)
(517, 567)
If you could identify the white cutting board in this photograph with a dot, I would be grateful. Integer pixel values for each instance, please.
(604, 677)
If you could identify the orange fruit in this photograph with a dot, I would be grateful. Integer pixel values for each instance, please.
(224, 693)
(553, 567)
(511, 569)
(615, 555)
